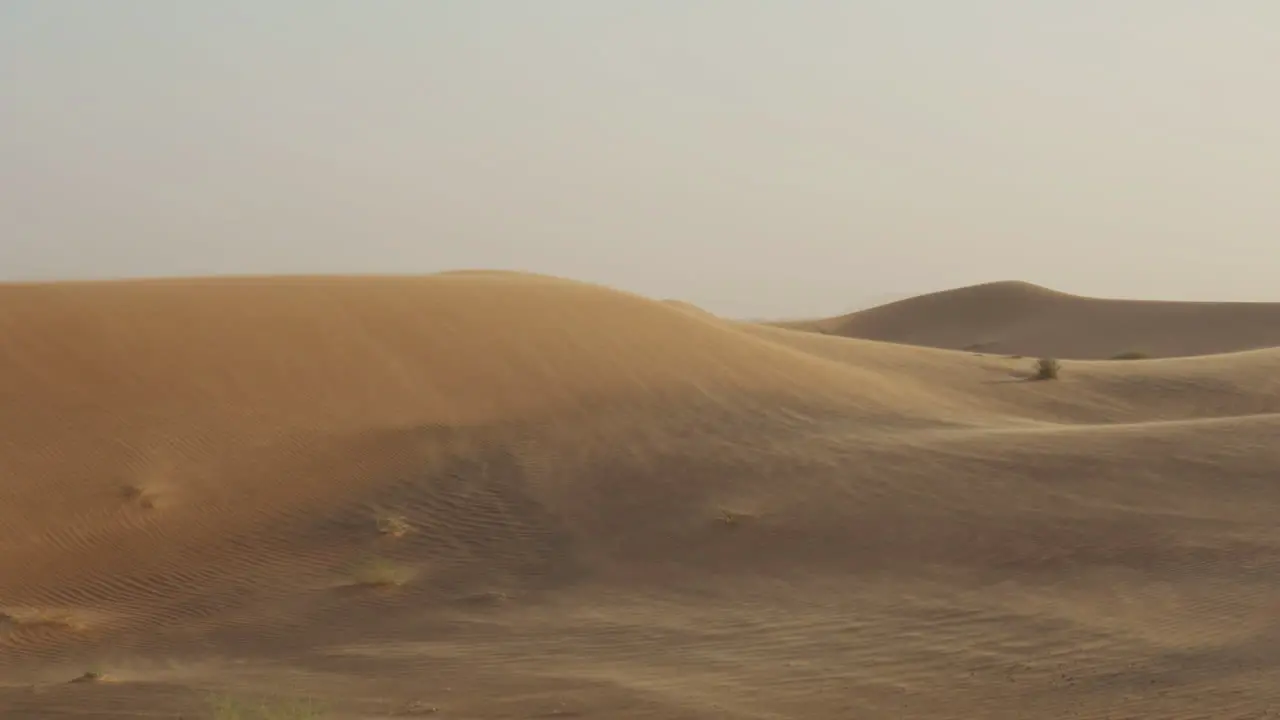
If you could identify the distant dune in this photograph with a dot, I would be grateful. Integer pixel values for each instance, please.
(1021, 318)
(498, 495)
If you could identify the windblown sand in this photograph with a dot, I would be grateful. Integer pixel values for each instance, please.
(493, 495)
(1017, 317)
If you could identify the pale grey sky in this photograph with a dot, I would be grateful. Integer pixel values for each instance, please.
(758, 158)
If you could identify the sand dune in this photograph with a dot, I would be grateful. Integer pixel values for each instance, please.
(1021, 318)
(495, 495)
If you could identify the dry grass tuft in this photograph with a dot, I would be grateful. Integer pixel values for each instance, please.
(90, 676)
(1046, 369)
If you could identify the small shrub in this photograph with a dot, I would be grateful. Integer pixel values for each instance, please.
(1047, 369)
(1130, 355)
(90, 676)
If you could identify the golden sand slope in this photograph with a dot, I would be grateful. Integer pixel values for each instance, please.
(1015, 317)
(493, 495)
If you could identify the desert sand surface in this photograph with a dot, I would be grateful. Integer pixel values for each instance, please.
(1022, 318)
(495, 495)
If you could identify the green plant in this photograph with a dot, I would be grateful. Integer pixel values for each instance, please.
(1047, 369)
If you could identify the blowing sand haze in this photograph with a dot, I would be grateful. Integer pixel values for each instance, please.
(498, 495)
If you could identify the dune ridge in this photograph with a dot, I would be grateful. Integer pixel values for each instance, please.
(1023, 318)
(611, 506)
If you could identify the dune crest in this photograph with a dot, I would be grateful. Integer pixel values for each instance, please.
(1021, 318)
(495, 495)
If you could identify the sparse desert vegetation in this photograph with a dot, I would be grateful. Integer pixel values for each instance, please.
(591, 360)
(90, 676)
(543, 528)
(1047, 369)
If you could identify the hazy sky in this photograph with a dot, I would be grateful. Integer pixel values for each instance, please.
(759, 158)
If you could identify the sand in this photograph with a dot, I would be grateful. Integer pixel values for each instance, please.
(1026, 319)
(497, 495)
